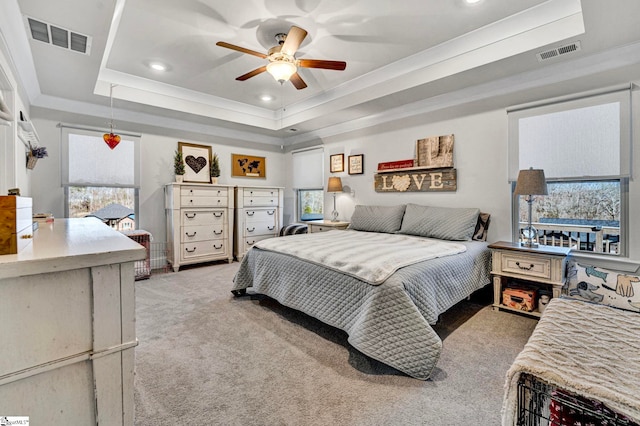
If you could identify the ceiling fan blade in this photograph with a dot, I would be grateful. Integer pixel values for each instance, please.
(319, 63)
(297, 81)
(293, 40)
(252, 73)
(241, 49)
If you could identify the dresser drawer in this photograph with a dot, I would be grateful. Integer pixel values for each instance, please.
(263, 215)
(260, 192)
(203, 217)
(203, 248)
(203, 201)
(261, 201)
(260, 228)
(250, 241)
(195, 191)
(526, 265)
(202, 233)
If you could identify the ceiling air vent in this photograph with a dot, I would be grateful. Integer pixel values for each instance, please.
(559, 51)
(58, 36)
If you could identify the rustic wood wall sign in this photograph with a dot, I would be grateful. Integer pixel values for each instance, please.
(435, 152)
(439, 180)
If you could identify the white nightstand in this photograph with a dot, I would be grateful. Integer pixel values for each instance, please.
(542, 267)
(325, 225)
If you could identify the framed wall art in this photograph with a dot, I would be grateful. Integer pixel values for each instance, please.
(336, 163)
(248, 166)
(356, 164)
(197, 159)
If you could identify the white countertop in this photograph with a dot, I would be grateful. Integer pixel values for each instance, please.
(70, 244)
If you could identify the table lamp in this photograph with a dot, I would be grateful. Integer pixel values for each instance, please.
(335, 186)
(530, 182)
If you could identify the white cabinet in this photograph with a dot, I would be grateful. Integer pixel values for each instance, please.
(67, 309)
(258, 216)
(199, 223)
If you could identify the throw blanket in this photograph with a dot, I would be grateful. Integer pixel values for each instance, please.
(369, 256)
(588, 349)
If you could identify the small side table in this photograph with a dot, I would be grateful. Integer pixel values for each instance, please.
(543, 267)
(325, 225)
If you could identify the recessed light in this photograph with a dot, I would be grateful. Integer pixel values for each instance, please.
(473, 1)
(266, 98)
(158, 66)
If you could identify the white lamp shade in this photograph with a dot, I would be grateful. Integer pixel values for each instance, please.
(281, 70)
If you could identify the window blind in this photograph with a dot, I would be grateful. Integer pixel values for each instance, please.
(586, 137)
(308, 168)
(88, 161)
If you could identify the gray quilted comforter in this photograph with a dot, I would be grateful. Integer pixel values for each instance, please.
(389, 322)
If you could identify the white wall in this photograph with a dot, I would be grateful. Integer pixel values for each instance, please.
(156, 153)
(480, 157)
(13, 171)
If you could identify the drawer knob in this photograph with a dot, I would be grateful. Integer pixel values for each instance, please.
(217, 247)
(250, 213)
(271, 228)
(217, 233)
(250, 243)
(217, 214)
(525, 268)
(189, 216)
(251, 229)
(271, 212)
(190, 251)
(192, 235)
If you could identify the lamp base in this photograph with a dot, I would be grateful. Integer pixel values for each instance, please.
(334, 216)
(530, 244)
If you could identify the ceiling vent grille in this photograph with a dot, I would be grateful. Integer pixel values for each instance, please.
(58, 36)
(559, 51)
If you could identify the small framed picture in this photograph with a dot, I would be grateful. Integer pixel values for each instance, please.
(356, 164)
(196, 160)
(336, 163)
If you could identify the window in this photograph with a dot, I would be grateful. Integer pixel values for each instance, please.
(583, 145)
(310, 204)
(99, 181)
(308, 178)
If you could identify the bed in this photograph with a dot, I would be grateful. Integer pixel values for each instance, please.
(386, 318)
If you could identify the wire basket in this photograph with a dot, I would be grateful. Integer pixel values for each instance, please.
(542, 404)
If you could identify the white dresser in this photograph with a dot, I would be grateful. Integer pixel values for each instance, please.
(199, 223)
(67, 326)
(258, 215)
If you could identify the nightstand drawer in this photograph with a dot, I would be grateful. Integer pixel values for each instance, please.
(526, 265)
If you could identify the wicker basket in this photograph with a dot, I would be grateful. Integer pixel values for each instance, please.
(31, 161)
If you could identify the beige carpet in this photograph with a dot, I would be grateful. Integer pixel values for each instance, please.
(206, 358)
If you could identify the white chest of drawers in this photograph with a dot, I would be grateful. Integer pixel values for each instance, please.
(199, 223)
(258, 216)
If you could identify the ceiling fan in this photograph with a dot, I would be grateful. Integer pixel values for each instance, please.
(283, 65)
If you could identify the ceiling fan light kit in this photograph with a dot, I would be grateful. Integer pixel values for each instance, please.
(281, 70)
(283, 65)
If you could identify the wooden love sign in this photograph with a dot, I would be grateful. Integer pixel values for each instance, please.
(434, 180)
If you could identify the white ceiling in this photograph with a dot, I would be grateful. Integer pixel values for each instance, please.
(403, 57)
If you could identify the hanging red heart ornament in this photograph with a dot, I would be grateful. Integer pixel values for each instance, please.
(111, 139)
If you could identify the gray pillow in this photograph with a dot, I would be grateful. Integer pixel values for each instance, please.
(457, 224)
(377, 218)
